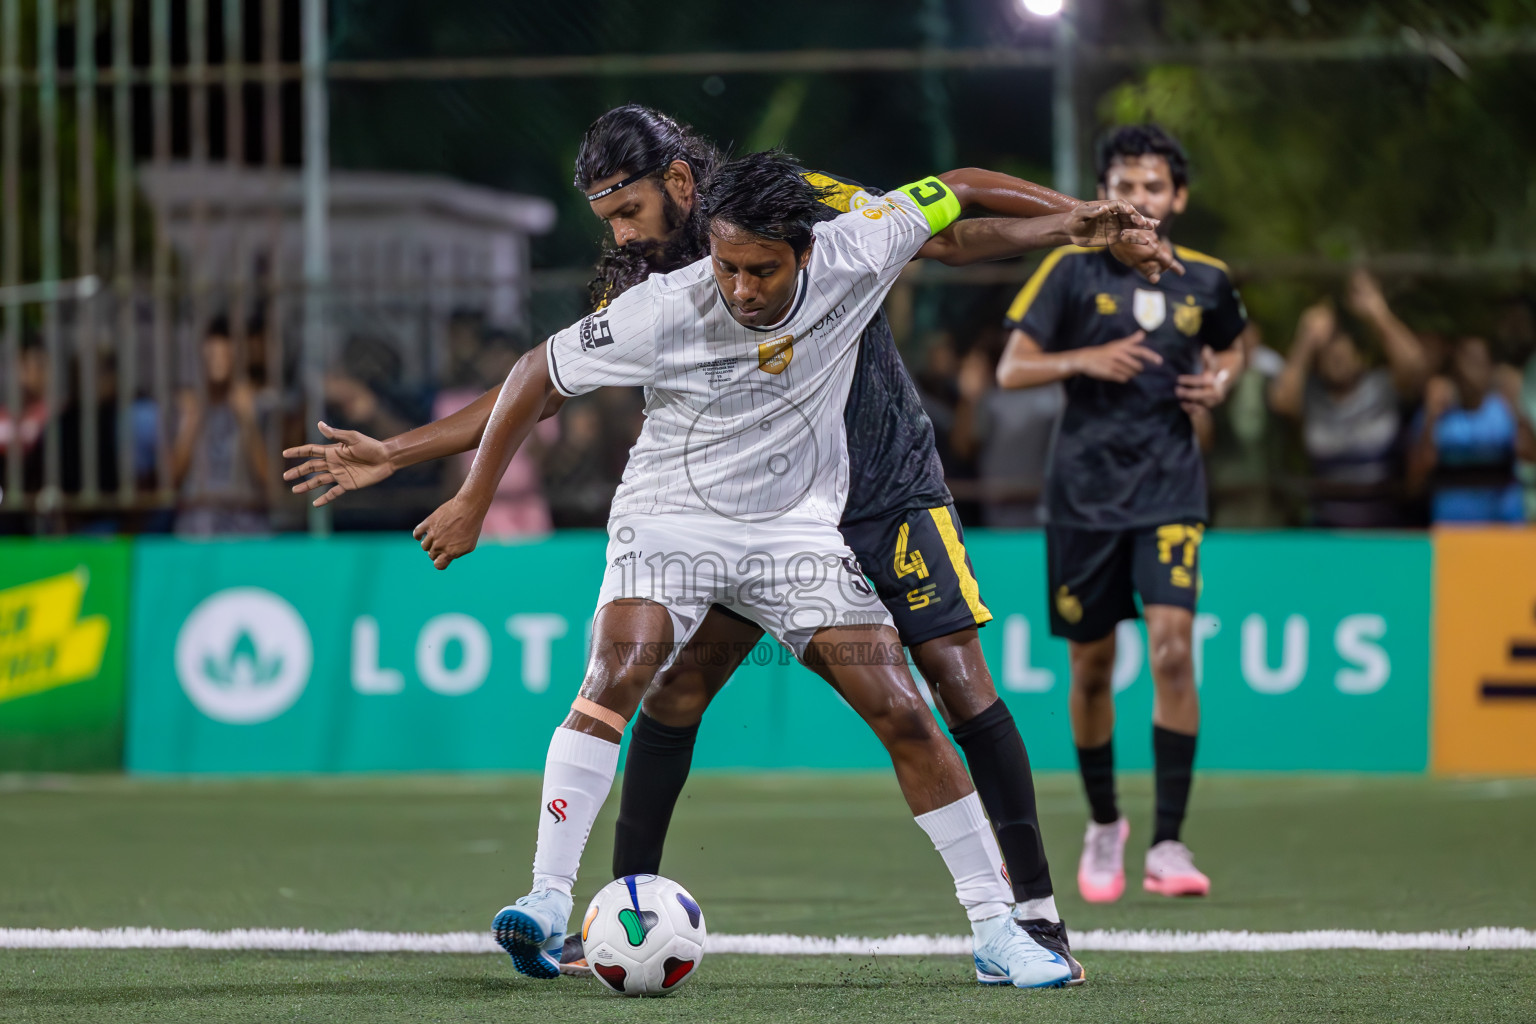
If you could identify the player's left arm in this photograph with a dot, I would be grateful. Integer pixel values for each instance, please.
(1221, 359)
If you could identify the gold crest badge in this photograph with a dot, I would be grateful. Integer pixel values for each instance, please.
(774, 356)
(1106, 304)
(1187, 317)
(1068, 606)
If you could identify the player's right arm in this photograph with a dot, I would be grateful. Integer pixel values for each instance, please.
(1040, 318)
(1025, 364)
(453, 530)
(613, 347)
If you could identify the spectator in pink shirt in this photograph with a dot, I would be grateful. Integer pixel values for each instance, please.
(519, 509)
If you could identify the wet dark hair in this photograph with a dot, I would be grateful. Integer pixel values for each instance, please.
(638, 140)
(620, 269)
(633, 140)
(766, 194)
(1143, 140)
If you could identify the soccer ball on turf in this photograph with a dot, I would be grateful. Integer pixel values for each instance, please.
(643, 935)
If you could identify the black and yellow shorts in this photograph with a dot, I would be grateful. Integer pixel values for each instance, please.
(921, 571)
(1094, 576)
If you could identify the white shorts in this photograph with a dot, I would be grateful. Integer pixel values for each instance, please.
(792, 577)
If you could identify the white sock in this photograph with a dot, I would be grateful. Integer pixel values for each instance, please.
(964, 839)
(1037, 910)
(578, 773)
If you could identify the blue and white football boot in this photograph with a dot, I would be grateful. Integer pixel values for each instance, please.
(532, 931)
(1006, 954)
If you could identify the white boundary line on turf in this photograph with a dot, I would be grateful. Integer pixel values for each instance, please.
(765, 945)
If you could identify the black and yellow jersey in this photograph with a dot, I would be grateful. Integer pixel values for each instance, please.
(1125, 454)
(893, 463)
(841, 194)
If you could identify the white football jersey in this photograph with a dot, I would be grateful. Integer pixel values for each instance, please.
(745, 422)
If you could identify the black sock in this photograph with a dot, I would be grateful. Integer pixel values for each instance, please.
(1097, 765)
(1173, 757)
(1000, 767)
(654, 772)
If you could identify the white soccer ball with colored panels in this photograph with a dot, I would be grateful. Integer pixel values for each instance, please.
(643, 935)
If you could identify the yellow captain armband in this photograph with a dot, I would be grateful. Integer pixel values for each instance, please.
(935, 201)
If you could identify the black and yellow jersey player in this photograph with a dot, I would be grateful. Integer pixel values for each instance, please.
(1125, 502)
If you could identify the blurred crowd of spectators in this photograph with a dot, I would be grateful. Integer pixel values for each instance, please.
(1361, 423)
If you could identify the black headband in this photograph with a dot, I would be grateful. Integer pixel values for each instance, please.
(595, 196)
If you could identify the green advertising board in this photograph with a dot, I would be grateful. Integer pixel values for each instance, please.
(354, 654)
(63, 636)
(1311, 652)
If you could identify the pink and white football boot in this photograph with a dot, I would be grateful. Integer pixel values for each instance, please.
(1171, 871)
(1101, 870)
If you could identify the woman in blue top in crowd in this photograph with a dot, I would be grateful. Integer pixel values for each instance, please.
(1465, 443)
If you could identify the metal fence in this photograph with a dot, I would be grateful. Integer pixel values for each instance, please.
(164, 163)
(112, 306)
(165, 172)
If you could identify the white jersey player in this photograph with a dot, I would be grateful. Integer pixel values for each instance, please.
(734, 490)
(732, 496)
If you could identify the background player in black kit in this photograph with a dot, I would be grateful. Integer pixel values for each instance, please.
(1126, 495)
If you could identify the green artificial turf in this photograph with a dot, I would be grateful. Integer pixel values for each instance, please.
(807, 854)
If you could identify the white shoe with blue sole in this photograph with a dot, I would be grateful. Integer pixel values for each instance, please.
(532, 931)
(1006, 954)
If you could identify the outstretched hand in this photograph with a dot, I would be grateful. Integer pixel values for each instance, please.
(355, 461)
(450, 532)
(1106, 221)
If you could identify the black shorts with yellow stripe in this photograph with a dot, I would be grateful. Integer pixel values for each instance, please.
(921, 571)
(1095, 576)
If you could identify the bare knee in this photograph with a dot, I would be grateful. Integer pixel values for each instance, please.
(903, 721)
(678, 699)
(1093, 666)
(1172, 664)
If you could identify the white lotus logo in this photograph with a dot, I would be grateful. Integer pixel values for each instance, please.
(243, 656)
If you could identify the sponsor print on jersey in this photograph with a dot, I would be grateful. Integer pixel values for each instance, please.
(830, 319)
(774, 356)
(1150, 309)
(1186, 318)
(595, 333)
(923, 596)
